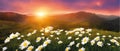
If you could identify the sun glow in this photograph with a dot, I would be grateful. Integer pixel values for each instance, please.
(40, 14)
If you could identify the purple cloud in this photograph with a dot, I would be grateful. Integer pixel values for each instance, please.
(28, 6)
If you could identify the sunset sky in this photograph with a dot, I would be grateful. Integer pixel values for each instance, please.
(109, 7)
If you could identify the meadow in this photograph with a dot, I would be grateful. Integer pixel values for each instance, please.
(76, 32)
(55, 39)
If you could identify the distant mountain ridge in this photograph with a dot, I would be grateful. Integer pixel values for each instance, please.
(11, 16)
(109, 17)
(83, 19)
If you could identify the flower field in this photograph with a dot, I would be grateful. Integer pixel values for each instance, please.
(50, 39)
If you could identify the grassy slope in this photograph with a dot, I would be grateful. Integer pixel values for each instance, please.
(8, 27)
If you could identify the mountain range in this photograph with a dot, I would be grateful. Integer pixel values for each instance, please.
(79, 19)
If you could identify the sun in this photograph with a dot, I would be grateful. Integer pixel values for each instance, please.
(40, 14)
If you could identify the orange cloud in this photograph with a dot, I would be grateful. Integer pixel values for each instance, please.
(31, 7)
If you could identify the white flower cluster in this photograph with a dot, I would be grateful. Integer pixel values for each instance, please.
(77, 37)
(12, 36)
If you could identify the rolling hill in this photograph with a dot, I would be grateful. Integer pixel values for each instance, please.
(11, 16)
(71, 20)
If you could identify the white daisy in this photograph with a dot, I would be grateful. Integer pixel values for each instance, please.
(22, 35)
(7, 40)
(76, 38)
(24, 44)
(117, 43)
(43, 38)
(69, 37)
(83, 32)
(82, 49)
(38, 39)
(60, 42)
(80, 35)
(92, 42)
(34, 31)
(42, 33)
(67, 48)
(89, 34)
(30, 48)
(103, 36)
(71, 43)
(4, 48)
(57, 38)
(108, 44)
(85, 40)
(109, 36)
(97, 38)
(98, 34)
(88, 30)
(76, 33)
(58, 33)
(51, 35)
(39, 48)
(29, 34)
(115, 38)
(19, 38)
(46, 42)
(100, 43)
(17, 34)
(12, 36)
(77, 45)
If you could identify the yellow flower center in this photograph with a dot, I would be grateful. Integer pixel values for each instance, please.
(67, 49)
(40, 48)
(25, 44)
(46, 42)
(80, 50)
(84, 40)
(30, 48)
